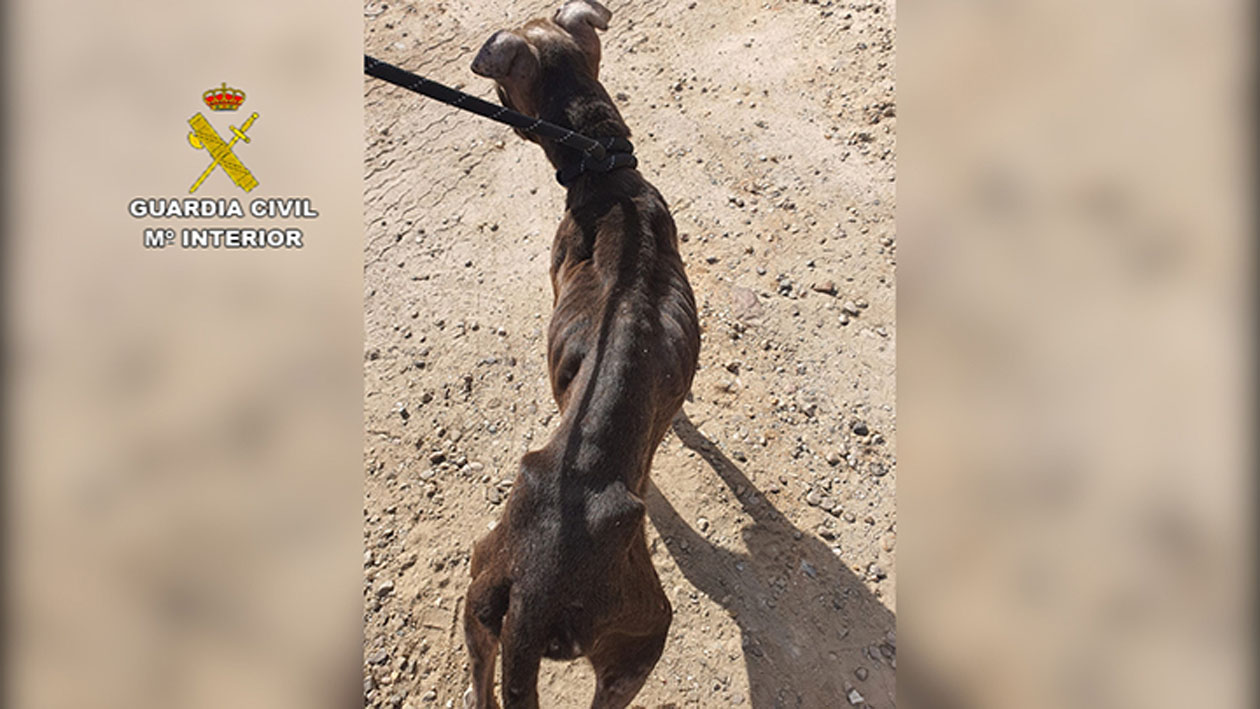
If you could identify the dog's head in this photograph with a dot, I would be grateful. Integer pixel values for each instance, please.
(542, 52)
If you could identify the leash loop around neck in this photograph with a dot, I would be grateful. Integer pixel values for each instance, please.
(594, 150)
(619, 153)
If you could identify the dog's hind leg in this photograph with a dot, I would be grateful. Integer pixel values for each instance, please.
(484, 607)
(482, 647)
(623, 662)
(621, 672)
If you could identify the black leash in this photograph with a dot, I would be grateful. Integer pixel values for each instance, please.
(600, 155)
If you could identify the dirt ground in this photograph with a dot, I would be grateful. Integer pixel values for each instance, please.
(770, 129)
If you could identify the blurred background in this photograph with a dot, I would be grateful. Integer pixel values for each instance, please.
(1074, 360)
(183, 481)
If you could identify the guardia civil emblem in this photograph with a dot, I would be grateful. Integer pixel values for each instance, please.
(204, 136)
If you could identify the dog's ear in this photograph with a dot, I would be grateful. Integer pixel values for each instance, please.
(505, 55)
(580, 18)
(508, 59)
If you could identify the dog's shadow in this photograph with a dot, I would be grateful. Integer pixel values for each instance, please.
(811, 630)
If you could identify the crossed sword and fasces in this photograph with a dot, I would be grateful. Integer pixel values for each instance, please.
(204, 135)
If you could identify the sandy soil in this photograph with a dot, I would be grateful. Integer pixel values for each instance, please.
(770, 128)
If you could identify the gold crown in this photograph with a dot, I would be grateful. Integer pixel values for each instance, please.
(223, 98)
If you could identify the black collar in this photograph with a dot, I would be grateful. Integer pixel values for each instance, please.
(618, 153)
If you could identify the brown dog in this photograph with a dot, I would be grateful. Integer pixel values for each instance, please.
(566, 572)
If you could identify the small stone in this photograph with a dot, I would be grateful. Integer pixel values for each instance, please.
(429, 696)
(813, 498)
(834, 458)
(809, 569)
(855, 697)
(384, 588)
(494, 496)
(744, 304)
(879, 470)
(862, 673)
(859, 428)
(850, 307)
(378, 657)
(828, 287)
(702, 524)
(437, 457)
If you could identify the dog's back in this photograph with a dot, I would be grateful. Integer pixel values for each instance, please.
(623, 339)
(623, 346)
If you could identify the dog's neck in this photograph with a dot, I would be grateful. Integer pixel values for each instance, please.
(585, 107)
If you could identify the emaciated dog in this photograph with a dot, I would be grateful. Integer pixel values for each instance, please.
(566, 572)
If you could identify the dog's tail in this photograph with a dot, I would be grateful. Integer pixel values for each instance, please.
(526, 627)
